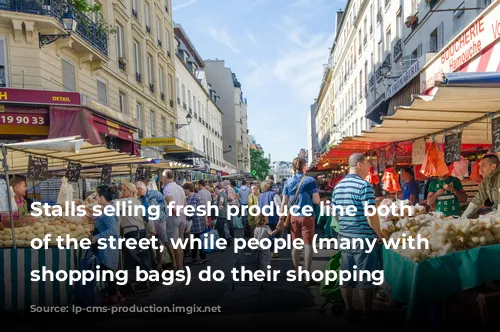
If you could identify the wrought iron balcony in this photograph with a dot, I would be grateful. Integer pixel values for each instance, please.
(92, 33)
(371, 28)
(379, 15)
(387, 3)
(365, 40)
(148, 29)
(134, 13)
(122, 64)
(138, 77)
(159, 43)
(398, 49)
(162, 96)
(366, 90)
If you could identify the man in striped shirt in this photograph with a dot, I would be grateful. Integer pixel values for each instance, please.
(353, 190)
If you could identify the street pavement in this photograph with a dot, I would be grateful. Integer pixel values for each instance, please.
(279, 302)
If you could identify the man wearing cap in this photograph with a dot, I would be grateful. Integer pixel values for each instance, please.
(489, 187)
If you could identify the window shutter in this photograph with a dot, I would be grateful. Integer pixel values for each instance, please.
(69, 76)
(102, 95)
(3, 67)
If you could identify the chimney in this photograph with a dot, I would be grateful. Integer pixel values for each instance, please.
(338, 18)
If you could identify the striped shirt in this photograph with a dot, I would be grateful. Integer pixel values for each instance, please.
(353, 191)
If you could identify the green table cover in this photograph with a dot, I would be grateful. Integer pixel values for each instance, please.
(418, 284)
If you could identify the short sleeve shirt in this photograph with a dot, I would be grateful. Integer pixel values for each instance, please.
(304, 198)
(447, 203)
(353, 191)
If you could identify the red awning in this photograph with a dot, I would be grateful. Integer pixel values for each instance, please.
(73, 121)
(112, 129)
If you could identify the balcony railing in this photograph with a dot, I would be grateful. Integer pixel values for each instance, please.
(387, 3)
(398, 49)
(379, 15)
(365, 40)
(138, 77)
(89, 31)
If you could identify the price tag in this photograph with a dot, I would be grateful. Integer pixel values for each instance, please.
(38, 168)
(139, 173)
(452, 147)
(392, 155)
(106, 174)
(418, 152)
(382, 161)
(73, 172)
(495, 135)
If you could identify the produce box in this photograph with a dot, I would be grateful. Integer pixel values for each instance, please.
(418, 284)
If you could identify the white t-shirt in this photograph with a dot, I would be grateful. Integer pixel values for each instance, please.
(177, 193)
(263, 232)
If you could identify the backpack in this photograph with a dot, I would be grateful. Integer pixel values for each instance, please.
(87, 295)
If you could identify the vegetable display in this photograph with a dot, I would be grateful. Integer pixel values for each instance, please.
(444, 234)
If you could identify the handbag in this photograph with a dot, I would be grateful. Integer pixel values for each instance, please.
(289, 216)
(210, 233)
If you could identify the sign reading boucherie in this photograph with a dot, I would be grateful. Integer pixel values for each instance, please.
(484, 31)
(24, 96)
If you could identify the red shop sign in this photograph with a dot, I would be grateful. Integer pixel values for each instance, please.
(23, 96)
(24, 119)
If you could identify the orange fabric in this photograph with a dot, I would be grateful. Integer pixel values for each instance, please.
(372, 177)
(390, 181)
(418, 174)
(434, 164)
(474, 174)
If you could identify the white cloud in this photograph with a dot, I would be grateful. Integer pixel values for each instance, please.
(223, 37)
(251, 36)
(186, 4)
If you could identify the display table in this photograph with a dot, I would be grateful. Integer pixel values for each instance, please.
(18, 292)
(418, 284)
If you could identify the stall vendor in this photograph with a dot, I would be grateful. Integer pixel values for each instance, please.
(489, 187)
(18, 184)
(446, 192)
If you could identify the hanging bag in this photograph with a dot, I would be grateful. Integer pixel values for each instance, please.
(65, 193)
(4, 200)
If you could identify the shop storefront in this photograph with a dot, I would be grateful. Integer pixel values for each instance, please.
(175, 149)
(37, 114)
(475, 49)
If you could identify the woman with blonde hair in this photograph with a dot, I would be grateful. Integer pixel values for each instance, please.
(253, 199)
(129, 194)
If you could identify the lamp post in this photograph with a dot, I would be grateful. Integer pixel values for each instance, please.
(69, 24)
(189, 118)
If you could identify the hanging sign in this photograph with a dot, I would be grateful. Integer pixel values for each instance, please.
(418, 152)
(106, 174)
(452, 147)
(73, 172)
(495, 135)
(38, 168)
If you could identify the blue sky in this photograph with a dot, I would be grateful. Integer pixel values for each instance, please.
(277, 49)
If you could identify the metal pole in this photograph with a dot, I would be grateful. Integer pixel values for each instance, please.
(9, 200)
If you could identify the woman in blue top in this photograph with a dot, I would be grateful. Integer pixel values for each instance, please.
(107, 227)
(410, 186)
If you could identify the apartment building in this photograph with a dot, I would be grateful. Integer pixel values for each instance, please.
(312, 134)
(228, 92)
(281, 170)
(103, 76)
(198, 115)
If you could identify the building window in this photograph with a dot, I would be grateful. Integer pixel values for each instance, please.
(399, 25)
(147, 17)
(119, 41)
(102, 93)
(163, 126)
(167, 41)
(171, 86)
(414, 6)
(69, 75)
(150, 70)
(3, 63)
(137, 60)
(380, 51)
(388, 40)
(152, 123)
(158, 31)
(123, 102)
(172, 126)
(162, 91)
(433, 41)
(138, 115)
(189, 99)
(183, 95)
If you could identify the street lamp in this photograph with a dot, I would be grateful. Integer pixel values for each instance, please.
(189, 118)
(69, 24)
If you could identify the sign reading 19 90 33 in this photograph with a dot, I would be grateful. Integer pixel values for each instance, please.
(495, 135)
(73, 172)
(106, 174)
(38, 168)
(452, 147)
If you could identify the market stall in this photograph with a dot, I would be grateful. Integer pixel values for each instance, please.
(39, 161)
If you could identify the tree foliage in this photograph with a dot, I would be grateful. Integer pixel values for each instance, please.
(259, 163)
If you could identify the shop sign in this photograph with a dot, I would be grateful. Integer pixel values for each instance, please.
(108, 111)
(24, 119)
(169, 142)
(484, 31)
(407, 76)
(24, 96)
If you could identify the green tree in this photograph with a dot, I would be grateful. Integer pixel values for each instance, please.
(259, 164)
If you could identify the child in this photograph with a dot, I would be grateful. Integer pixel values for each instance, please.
(263, 231)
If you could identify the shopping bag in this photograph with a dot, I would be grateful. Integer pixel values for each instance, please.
(237, 222)
(87, 294)
(65, 193)
(332, 289)
(461, 168)
(211, 235)
(227, 234)
(4, 200)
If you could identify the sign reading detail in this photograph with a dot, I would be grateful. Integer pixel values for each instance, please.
(476, 37)
(38, 168)
(452, 147)
(169, 142)
(106, 174)
(495, 135)
(24, 96)
(407, 76)
(73, 172)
